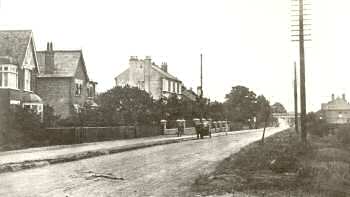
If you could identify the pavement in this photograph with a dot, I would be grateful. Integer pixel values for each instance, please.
(11, 161)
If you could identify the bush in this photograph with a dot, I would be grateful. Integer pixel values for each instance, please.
(50, 119)
(24, 129)
(343, 135)
(316, 126)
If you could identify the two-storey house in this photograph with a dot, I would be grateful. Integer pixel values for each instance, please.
(63, 82)
(18, 71)
(154, 79)
(336, 111)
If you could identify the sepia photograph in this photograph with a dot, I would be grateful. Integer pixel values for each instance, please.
(174, 98)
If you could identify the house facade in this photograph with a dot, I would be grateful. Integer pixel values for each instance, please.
(18, 71)
(64, 83)
(154, 79)
(336, 111)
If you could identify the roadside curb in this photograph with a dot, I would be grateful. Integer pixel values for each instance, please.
(17, 166)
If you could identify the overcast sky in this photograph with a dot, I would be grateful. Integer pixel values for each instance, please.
(244, 42)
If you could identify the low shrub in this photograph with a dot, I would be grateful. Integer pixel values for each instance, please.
(343, 135)
(316, 126)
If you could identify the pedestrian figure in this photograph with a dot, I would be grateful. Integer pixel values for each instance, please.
(197, 126)
(180, 127)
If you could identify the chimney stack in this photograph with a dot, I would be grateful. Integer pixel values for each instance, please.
(333, 97)
(164, 66)
(49, 59)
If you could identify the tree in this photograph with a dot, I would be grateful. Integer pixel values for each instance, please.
(263, 115)
(216, 111)
(127, 106)
(263, 111)
(278, 108)
(240, 105)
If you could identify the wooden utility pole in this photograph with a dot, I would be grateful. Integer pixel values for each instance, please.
(302, 73)
(201, 89)
(296, 121)
(201, 93)
(301, 39)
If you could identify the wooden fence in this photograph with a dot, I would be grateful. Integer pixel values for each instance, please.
(73, 135)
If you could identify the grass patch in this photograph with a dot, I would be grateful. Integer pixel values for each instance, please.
(283, 167)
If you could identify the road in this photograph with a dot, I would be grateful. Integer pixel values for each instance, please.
(166, 170)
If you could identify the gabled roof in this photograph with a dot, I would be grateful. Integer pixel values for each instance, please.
(14, 44)
(157, 69)
(165, 74)
(66, 63)
(125, 72)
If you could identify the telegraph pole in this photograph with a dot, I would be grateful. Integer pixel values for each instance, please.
(201, 89)
(301, 39)
(201, 93)
(296, 121)
(302, 72)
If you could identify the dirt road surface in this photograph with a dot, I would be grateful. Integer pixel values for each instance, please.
(166, 170)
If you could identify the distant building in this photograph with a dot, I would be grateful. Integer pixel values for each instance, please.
(189, 94)
(336, 111)
(154, 79)
(63, 82)
(18, 71)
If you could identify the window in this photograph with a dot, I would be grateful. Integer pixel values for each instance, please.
(165, 85)
(78, 87)
(178, 88)
(90, 90)
(27, 79)
(76, 108)
(141, 85)
(35, 107)
(174, 86)
(169, 84)
(8, 76)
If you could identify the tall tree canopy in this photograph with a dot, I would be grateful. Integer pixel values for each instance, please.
(127, 105)
(240, 104)
(263, 111)
(278, 108)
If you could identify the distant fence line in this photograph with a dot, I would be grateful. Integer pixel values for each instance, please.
(74, 135)
(192, 131)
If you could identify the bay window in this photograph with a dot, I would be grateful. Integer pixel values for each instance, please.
(8, 76)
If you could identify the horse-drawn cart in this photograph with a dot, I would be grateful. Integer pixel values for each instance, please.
(202, 128)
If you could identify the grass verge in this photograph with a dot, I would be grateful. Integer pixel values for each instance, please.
(282, 167)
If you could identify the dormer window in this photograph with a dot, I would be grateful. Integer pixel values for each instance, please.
(8, 76)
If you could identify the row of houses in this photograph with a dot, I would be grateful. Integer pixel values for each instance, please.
(32, 78)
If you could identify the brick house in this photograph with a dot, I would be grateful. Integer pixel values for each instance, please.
(154, 79)
(18, 71)
(63, 82)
